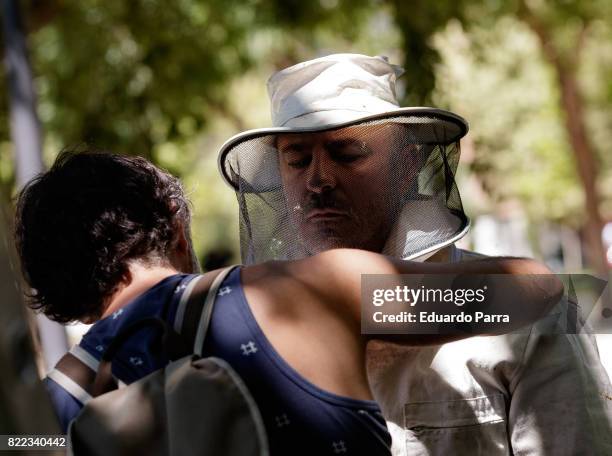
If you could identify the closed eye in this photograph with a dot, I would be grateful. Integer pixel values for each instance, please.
(295, 154)
(300, 162)
(347, 150)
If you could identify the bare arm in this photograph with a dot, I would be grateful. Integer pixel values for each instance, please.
(335, 276)
(310, 310)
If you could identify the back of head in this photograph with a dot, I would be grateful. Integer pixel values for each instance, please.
(78, 226)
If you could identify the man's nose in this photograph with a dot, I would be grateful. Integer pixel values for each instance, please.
(320, 175)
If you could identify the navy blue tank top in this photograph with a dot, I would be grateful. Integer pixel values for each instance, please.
(300, 418)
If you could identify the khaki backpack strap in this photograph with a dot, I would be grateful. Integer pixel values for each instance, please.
(196, 306)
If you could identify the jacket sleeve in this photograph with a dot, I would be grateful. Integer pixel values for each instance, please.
(561, 399)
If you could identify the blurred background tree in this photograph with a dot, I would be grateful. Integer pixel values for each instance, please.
(172, 80)
(567, 35)
(149, 77)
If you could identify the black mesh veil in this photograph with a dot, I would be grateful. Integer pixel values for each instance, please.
(384, 184)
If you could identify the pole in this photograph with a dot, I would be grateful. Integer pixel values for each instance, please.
(26, 137)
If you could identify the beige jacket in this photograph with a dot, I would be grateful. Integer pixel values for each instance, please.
(533, 393)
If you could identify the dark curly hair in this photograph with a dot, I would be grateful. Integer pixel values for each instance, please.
(77, 226)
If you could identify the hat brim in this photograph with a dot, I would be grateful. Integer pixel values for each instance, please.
(421, 114)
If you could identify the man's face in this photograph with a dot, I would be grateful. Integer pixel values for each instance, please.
(344, 188)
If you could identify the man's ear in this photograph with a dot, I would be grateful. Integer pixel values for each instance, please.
(409, 165)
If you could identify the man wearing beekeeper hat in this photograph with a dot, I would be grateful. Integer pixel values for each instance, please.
(345, 166)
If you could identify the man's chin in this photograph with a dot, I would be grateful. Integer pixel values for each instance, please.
(333, 240)
(329, 243)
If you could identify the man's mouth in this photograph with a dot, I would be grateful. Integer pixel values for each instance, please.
(325, 214)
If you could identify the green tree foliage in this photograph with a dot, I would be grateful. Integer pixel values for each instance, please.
(149, 77)
(563, 30)
(132, 76)
(418, 21)
(510, 98)
(172, 80)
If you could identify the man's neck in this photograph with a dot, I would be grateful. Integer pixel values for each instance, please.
(141, 279)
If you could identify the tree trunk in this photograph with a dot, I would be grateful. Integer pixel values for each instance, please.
(572, 104)
(583, 153)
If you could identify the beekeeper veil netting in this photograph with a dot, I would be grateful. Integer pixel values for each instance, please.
(385, 184)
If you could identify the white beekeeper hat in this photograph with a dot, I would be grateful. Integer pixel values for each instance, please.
(331, 93)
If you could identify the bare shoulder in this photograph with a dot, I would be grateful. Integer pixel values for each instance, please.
(339, 264)
(293, 301)
(328, 278)
(272, 287)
